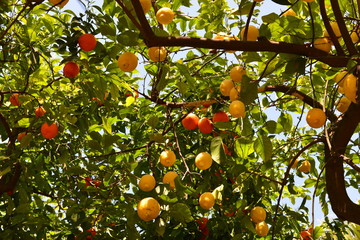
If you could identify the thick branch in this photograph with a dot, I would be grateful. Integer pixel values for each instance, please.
(10, 185)
(302, 96)
(342, 26)
(341, 204)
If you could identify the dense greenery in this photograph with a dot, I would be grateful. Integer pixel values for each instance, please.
(113, 125)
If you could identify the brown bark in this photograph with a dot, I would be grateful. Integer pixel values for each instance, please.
(341, 204)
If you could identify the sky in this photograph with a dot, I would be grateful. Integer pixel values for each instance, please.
(265, 8)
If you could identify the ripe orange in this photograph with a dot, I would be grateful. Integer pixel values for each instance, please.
(147, 183)
(323, 44)
(355, 36)
(49, 131)
(234, 93)
(220, 117)
(261, 229)
(167, 158)
(236, 73)
(316, 118)
(146, 5)
(127, 62)
(157, 54)
(59, 3)
(289, 12)
(306, 234)
(226, 86)
(148, 209)
(71, 69)
(169, 178)
(237, 109)
(203, 160)
(252, 34)
(343, 104)
(20, 136)
(190, 121)
(165, 15)
(39, 111)
(350, 87)
(14, 99)
(257, 214)
(87, 42)
(205, 125)
(305, 166)
(207, 200)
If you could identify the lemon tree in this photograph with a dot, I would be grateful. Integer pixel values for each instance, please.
(103, 141)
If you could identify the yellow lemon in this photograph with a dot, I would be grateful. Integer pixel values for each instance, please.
(257, 214)
(237, 109)
(169, 177)
(127, 62)
(252, 34)
(157, 54)
(226, 86)
(207, 200)
(236, 73)
(167, 158)
(148, 209)
(165, 15)
(203, 161)
(262, 229)
(316, 118)
(147, 183)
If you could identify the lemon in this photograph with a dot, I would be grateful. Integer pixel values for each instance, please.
(147, 183)
(169, 177)
(261, 229)
(127, 62)
(157, 54)
(167, 158)
(257, 214)
(148, 209)
(226, 86)
(203, 161)
(207, 200)
(237, 109)
(236, 73)
(165, 15)
(316, 118)
(252, 34)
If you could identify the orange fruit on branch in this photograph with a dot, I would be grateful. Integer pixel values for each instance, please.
(316, 118)
(148, 209)
(305, 166)
(237, 109)
(20, 136)
(261, 229)
(252, 34)
(169, 178)
(39, 111)
(14, 99)
(220, 117)
(157, 54)
(147, 183)
(205, 125)
(87, 42)
(190, 122)
(127, 62)
(236, 73)
(49, 131)
(71, 69)
(207, 200)
(146, 5)
(203, 160)
(167, 158)
(165, 15)
(226, 86)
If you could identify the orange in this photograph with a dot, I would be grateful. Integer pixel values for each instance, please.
(323, 44)
(87, 42)
(335, 28)
(257, 214)
(236, 73)
(316, 118)
(14, 99)
(59, 3)
(207, 200)
(355, 36)
(343, 104)
(49, 131)
(146, 5)
(237, 109)
(148, 209)
(340, 78)
(20, 136)
(261, 229)
(234, 93)
(39, 111)
(127, 62)
(147, 183)
(220, 117)
(252, 34)
(167, 158)
(157, 54)
(71, 69)
(190, 121)
(305, 166)
(205, 125)
(169, 178)
(165, 15)
(306, 234)
(289, 12)
(203, 161)
(350, 87)
(226, 86)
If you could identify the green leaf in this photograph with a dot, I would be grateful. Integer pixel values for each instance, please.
(244, 148)
(248, 91)
(24, 122)
(285, 119)
(128, 38)
(273, 127)
(184, 71)
(107, 30)
(263, 147)
(129, 100)
(216, 148)
(181, 212)
(296, 66)
(5, 171)
(270, 18)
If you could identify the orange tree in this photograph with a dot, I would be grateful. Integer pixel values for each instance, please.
(81, 122)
